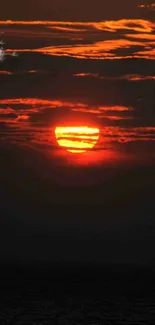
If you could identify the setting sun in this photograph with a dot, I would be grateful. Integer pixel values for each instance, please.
(76, 139)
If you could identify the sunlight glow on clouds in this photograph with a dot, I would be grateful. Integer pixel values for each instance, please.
(137, 25)
(129, 77)
(99, 50)
(93, 43)
(148, 6)
(26, 121)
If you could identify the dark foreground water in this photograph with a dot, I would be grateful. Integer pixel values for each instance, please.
(77, 295)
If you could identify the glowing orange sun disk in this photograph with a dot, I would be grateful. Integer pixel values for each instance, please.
(77, 139)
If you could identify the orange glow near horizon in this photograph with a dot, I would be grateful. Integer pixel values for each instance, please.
(76, 139)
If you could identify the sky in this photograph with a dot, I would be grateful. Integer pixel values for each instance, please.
(75, 10)
(78, 61)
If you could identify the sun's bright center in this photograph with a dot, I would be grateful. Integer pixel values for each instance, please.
(77, 139)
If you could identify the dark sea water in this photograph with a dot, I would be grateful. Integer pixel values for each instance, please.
(79, 295)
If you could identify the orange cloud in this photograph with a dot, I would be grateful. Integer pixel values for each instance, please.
(149, 6)
(18, 118)
(34, 102)
(138, 77)
(138, 25)
(141, 36)
(22, 117)
(32, 71)
(132, 77)
(101, 112)
(45, 103)
(92, 31)
(117, 118)
(87, 110)
(68, 29)
(14, 120)
(149, 54)
(98, 50)
(7, 110)
(83, 74)
(5, 72)
(20, 128)
(35, 105)
(116, 108)
(117, 133)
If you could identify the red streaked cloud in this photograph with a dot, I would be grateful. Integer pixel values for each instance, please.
(118, 118)
(22, 117)
(32, 71)
(45, 103)
(139, 77)
(129, 77)
(100, 109)
(137, 25)
(68, 29)
(116, 108)
(132, 77)
(38, 102)
(148, 6)
(99, 50)
(149, 54)
(141, 36)
(7, 110)
(5, 72)
(19, 126)
(22, 109)
(121, 134)
(42, 72)
(93, 40)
